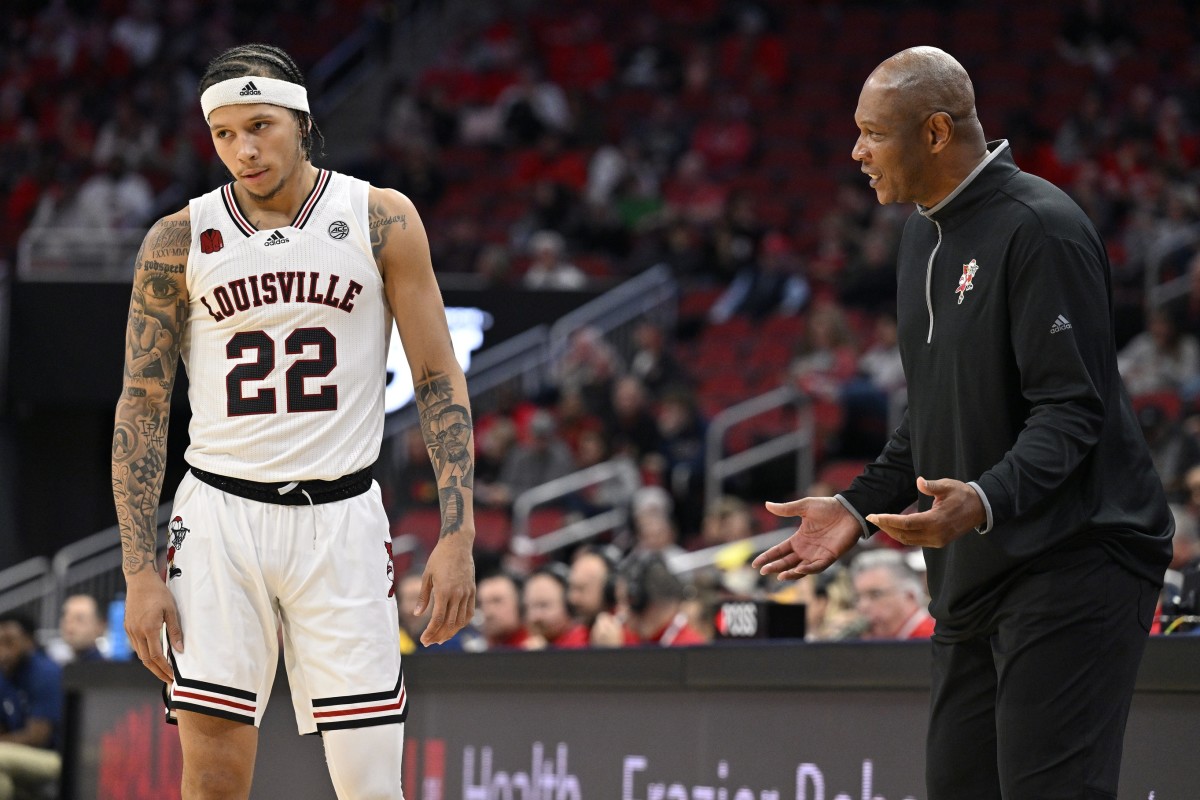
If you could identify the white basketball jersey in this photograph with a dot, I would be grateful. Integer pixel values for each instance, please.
(286, 338)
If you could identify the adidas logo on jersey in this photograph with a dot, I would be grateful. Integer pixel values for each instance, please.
(249, 89)
(276, 238)
(1061, 324)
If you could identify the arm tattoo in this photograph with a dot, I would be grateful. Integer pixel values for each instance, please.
(381, 225)
(447, 429)
(157, 312)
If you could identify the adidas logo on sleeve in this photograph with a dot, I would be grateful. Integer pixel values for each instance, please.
(1061, 324)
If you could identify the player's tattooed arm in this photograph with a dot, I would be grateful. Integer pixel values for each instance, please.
(448, 432)
(157, 311)
(383, 221)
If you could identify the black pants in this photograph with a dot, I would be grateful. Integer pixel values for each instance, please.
(1036, 710)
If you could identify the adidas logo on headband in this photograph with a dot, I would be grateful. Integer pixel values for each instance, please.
(254, 89)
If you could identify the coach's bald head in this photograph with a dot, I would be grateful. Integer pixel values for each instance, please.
(916, 116)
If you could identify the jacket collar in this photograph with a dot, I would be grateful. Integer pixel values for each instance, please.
(995, 169)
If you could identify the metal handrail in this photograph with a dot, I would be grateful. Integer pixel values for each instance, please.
(522, 356)
(706, 557)
(1157, 292)
(95, 562)
(621, 468)
(718, 467)
(578, 531)
(82, 255)
(655, 288)
(27, 582)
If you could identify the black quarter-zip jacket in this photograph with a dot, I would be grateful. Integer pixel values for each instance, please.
(1005, 326)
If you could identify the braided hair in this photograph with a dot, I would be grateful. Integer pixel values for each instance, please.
(269, 62)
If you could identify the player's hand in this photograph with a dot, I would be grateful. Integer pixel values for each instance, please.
(827, 531)
(450, 580)
(956, 510)
(148, 606)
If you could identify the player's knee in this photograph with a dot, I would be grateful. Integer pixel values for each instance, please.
(216, 781)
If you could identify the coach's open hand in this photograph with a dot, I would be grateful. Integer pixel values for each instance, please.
(956, 510)
(827, 530)
(148, 606)
(450, 578)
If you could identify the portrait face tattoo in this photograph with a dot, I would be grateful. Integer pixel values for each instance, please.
(452, 433)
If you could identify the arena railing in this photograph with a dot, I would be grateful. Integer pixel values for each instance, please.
(720, 467)
(81, 255)
(1157, 290)
(649, 296)
(620, 473)
(92, 565)
(28, 587)
(696, 560)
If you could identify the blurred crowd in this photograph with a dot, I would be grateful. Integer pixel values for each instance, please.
(579, 144)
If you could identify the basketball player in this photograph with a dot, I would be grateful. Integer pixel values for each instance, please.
(278, 290)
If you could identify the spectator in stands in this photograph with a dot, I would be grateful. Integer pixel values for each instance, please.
(544, 458)
(682, 431)
(589, 365)
(82, 627)
(648, 62)
(655, 598)
(1096, 35)
(825, 358)
(494, 264)
(499, 603)
(126, 135)
(727, 520)
(868, 281)
(1185, 557)
(115, 198)
(592, 584)
(654, 528)
(890, 596)
(31, 706)
(691, 194)
(630, 422)
(724, 138)
(496, 441)
(773, 283)
(549, 268)
(1185, 309)
(868, 396)
(547, 611)
(1161, 359)
(1173, 448)
(532, 107)
(652, 361)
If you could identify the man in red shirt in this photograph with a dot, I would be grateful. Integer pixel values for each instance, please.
(891, 597)
(546, 611)
(499, 599)
(655, 601)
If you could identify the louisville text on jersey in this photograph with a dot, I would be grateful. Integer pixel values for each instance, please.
(270, 288)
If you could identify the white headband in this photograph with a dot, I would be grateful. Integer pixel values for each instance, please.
(253, 89)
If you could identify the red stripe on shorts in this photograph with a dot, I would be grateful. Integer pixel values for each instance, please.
(368, 710)
(208, 699)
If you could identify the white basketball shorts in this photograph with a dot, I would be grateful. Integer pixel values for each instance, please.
(248, 576)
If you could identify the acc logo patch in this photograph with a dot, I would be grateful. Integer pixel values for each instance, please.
(339, 229)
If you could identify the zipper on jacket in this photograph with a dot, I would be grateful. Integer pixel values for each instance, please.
(929, 282)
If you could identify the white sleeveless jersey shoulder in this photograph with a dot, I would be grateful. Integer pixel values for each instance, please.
(286, 338)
